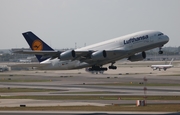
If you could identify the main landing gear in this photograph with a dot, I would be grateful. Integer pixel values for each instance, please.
(97, 68)
(112, 66)
(160, 50)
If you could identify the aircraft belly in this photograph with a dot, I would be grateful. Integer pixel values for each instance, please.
(76, 64)
(110, 59)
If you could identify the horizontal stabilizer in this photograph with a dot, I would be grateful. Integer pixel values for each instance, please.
(29, 65)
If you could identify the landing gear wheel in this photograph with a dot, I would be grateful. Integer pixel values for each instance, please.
(112, 67)
(160, 52)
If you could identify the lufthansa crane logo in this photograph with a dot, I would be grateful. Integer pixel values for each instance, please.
(37, 45)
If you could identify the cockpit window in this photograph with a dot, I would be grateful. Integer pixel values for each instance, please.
(160, 34)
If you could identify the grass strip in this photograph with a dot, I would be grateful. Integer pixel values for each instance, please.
(13, 90)
(23, 80)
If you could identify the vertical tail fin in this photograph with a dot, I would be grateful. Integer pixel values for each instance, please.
(170, 63)
(36, 44)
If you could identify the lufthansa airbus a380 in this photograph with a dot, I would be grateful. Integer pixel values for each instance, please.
(131, 46)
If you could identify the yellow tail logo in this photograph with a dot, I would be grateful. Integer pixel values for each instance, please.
(37, 45)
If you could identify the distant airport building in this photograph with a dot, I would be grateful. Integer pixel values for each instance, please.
(24, 61)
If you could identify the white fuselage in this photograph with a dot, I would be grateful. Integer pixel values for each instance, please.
(154, 67)
(131, 43)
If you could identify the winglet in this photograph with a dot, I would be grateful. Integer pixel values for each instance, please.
(36, 44)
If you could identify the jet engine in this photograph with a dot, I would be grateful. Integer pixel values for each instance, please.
(68, 55)
(137, 57)
(98, 55)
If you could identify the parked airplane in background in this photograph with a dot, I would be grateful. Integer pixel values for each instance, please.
(155, 67)
(132, 46)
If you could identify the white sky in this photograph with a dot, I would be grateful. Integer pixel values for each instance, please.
(61, 23)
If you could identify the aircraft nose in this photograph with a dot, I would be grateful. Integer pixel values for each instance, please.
(166, 38)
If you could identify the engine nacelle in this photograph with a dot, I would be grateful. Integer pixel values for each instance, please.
(98, 55)
(68, 55)
(137, 57)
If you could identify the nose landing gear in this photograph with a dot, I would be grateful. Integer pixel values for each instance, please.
(160, 50)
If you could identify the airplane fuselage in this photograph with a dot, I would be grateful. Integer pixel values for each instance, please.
(122, 47)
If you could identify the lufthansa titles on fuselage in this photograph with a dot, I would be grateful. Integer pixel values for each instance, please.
(131, 40)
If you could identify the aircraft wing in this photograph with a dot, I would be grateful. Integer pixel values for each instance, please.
(81, 55)
(29, 64)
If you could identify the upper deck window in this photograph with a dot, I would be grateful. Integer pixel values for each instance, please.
(160, 34)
